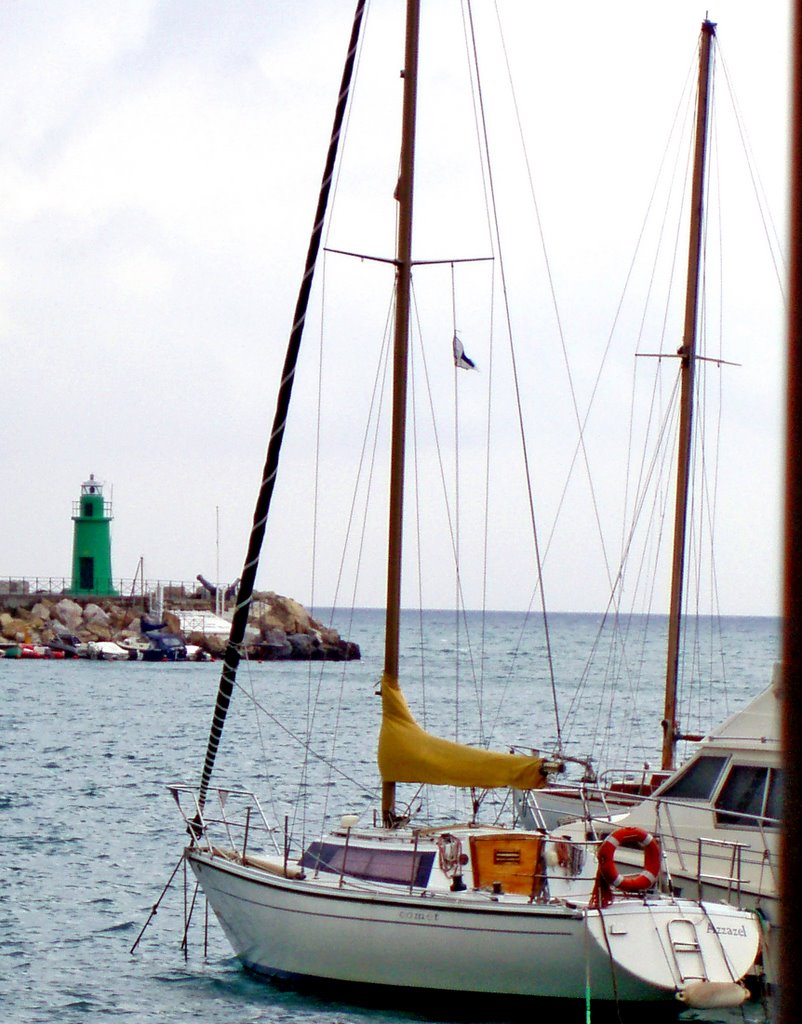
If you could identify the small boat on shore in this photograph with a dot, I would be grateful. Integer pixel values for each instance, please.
(104, 650)
(67, 645)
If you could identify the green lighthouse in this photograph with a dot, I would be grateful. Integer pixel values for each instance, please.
(91, 544)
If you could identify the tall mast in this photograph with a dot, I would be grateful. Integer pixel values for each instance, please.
(400, 362)
(688, 376)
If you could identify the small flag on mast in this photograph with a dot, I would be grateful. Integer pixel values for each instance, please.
(461, 361)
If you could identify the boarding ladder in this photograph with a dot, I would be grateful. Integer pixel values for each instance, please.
(687, 950)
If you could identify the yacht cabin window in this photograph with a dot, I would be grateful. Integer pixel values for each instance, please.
(751, 797)
(774, 801)
(698, 781)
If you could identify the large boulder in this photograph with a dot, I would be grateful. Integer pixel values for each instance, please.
(173, 623)
(99, 631)
(273, 645)
(16, 629)
(305, 646)
(131, 620)
(118, 617)
(41, 610)
(342, 650)
(94, 616)
(69, 613)
(213, 643)
(287, 614)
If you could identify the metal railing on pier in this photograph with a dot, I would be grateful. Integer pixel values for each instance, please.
(61, 586)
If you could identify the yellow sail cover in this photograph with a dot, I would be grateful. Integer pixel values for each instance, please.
(409, 754)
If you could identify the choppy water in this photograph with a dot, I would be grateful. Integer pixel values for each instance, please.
(89, 835)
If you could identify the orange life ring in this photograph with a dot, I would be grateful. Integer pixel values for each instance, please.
(630, 838)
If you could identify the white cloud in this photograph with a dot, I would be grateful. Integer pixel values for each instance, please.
(159, 168)
(140, 274)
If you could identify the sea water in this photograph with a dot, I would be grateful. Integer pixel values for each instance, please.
(89, 835)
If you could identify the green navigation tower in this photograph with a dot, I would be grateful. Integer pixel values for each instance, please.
(91, 544)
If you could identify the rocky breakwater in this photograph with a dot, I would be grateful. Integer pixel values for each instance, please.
(288, 632)
(280, 628)
(48, 619)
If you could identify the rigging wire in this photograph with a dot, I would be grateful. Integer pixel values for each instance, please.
(315, 510)
(369, 447)
(482, 159)
(335, 182)
(581, 421)
(313, 695)
(264, 499)
(306, 744)
(262, 744)
(705, 514)
(773, 241)
(656, 471)
(619, 579)
(514, 366)
(584, 422)
(418, 533)
(458, 606)
(670, 453)
(447, 505)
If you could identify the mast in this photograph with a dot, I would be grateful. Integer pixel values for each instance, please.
(400, 363)
(687, 352)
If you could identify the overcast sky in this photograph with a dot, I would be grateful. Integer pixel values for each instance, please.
(159, 166)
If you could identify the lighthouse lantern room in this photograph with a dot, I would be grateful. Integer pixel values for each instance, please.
(91, 545)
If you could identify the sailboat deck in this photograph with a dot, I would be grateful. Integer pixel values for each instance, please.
(270, 872)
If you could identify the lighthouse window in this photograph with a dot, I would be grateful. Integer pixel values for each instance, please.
(88, 510)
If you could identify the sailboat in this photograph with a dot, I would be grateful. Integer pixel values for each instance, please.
(562, 801)
(718, 815)
(462, 908)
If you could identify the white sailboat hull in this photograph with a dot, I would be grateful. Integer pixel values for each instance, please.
(313, 929)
